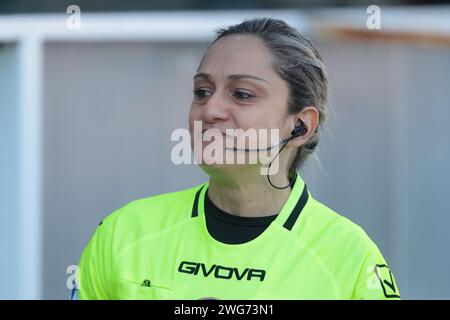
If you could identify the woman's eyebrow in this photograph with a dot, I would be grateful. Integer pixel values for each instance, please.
(232, 77)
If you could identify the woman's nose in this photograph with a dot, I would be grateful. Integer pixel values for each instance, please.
(215, 109)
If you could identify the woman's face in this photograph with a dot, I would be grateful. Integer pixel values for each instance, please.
(236, 88)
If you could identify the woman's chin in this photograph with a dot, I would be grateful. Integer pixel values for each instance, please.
(226, 169)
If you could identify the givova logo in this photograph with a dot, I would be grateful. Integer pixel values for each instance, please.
(221, 272)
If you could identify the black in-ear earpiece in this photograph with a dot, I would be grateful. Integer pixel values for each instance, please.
(299, 130)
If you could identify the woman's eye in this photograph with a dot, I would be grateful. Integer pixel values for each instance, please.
(201, 93)
(242, 95)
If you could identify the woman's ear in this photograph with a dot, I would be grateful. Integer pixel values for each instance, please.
(307, 121)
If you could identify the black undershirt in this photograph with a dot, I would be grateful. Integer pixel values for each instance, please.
(231, 229)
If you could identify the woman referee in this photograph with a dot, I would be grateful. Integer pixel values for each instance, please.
(242, 234)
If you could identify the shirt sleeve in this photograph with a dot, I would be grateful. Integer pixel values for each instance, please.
(376, 280)
(95, 271)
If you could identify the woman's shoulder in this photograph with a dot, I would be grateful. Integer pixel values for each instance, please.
(349, 253)
(165, 199)
(334, 229)
(154, 212)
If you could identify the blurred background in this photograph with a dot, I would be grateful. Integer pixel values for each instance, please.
(86, 116)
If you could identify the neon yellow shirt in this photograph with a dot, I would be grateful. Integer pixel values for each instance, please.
(159, 248)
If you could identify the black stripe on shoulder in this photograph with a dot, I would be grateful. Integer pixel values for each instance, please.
(297, 210)
(195, 206)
